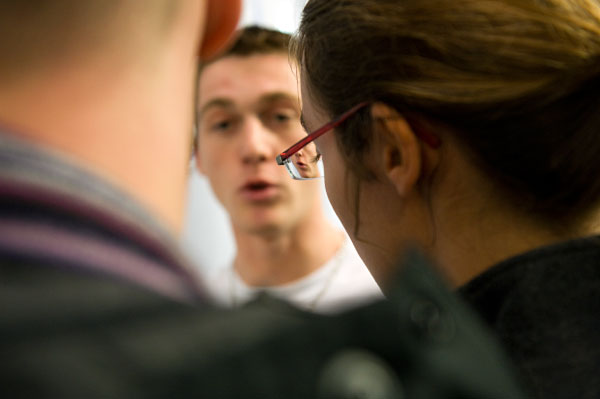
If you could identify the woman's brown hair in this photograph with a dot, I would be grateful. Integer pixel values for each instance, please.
(517, 82)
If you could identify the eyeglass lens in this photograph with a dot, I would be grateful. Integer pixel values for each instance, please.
(306, 163)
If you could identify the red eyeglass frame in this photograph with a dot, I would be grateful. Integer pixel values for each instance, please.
(427, 137)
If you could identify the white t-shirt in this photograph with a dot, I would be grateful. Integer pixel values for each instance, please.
(344, 281)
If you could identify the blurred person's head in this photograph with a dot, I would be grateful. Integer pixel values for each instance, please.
(110, 84)
(483, 112)
(248, 109)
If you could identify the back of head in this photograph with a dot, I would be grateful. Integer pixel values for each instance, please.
(516, 81)
(93, 79)
(40, 33)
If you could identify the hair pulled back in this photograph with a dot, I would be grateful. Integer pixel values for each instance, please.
(517, 82)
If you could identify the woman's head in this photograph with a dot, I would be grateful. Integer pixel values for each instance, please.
(515, 82)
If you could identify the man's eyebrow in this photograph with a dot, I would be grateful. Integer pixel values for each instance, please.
(216, 103)
(278, 96)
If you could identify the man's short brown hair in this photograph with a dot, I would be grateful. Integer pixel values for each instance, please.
(255, 39)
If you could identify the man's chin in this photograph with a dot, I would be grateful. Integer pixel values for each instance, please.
(265, 226)
(263, 221)
(266, 229)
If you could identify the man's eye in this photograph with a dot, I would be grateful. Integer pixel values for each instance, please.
(281, 117)
(221, 125)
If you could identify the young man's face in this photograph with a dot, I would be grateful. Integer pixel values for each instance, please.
(249, 113)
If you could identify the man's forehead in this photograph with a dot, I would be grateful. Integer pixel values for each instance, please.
(243, 78)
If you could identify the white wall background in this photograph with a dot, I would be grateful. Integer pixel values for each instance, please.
(207, 236)
(283, 15)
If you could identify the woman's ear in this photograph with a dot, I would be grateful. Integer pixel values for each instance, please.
(399, 148)
(221, 21)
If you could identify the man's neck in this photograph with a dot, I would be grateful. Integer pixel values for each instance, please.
(101, 116)
(276, 259)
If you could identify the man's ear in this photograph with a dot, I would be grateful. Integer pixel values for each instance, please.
(399, 149)
(221, 21)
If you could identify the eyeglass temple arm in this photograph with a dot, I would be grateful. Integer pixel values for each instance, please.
(281, 158)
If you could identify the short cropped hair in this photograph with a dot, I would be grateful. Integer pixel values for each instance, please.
(36, 33)
(254, 39)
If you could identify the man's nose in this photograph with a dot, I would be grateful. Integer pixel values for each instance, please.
(256, 142)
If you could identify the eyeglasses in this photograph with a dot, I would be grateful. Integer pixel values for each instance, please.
(302, 160)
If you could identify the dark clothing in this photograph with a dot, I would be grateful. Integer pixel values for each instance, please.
(545, 307)
(96, 301)
(57, 215)
(73, 335)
